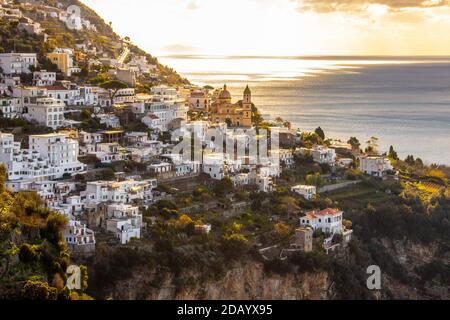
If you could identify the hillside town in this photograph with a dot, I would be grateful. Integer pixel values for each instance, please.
(83, 129)
(158, 188)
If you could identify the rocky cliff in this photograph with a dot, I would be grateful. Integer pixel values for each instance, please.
(246, 281)
(411, 278)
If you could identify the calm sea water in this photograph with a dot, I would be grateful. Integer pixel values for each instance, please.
(405, 102)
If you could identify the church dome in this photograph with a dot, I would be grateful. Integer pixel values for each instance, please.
(225, 94)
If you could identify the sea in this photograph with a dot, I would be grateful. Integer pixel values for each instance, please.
(403, 101)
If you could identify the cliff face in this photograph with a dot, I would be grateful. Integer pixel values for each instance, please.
(413, 257)
(247, 280)
(244, 282)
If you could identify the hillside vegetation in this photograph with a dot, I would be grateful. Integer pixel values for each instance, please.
(33, 254)
(60, 36)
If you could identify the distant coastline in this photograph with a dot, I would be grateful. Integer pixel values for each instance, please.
(405, 101)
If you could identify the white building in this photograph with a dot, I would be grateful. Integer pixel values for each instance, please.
(199, 100)
(152, 121)
(140, 65)
(50, 157)
(167, 92)
(60, 150)
(10, 108)
(89, 95)
(119, 192)
(328, 220)
(160, 168)
(240, 180)
(161, 113)
(308, 192)
(264, 183)
(124, 221)
(44, 78)
(17, 63)
(70, 96)
(125, 75)
(108, 119)
(30, 27)
(270, 170)
(135, 137)
(47, 111)
(375, 166)
(321, 154)
(214, 165)
(8, 147)
(108, 152)
(90, 138)
(345, 162)
(144, 151)
(79, 238)
(199, 130)
(27, 93)
(126, 95)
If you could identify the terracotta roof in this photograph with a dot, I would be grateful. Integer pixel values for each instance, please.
(325, 212)
(329, 212)
(197, 94)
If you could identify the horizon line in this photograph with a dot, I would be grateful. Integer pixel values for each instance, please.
(359, 56)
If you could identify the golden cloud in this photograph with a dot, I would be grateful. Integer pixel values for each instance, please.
(354, 6)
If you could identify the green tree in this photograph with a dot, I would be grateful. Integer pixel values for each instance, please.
(410, 160)
(223, 187)
(314, 179)
(234, 245)
(38, 290)
(392, 153)
(354, 142)
(113, 86)
(320, 133)
(372, 145)
(27, 253)
(310, 138)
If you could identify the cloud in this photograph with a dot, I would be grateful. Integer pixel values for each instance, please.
(179, 48)
(356, 6)
(193, 5)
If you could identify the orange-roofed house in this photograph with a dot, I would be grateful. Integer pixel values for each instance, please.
(328, 220)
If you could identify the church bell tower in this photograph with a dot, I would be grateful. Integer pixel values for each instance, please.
(247, 102)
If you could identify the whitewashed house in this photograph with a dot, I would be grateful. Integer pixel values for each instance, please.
(375, 166)
(10, 108)
(89, 95)
(60, 150)
(50, 157)
(119, 191)
(124, 221)
(47, 111)
(44, 78)
(308, 192)
(214, 165)
(17, 63)
(328, 220)
(110, 152)
(321, 154)
(108, 119)
(69, 95)
(79, 239)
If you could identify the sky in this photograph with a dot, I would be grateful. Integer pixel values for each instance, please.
(282, 27)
